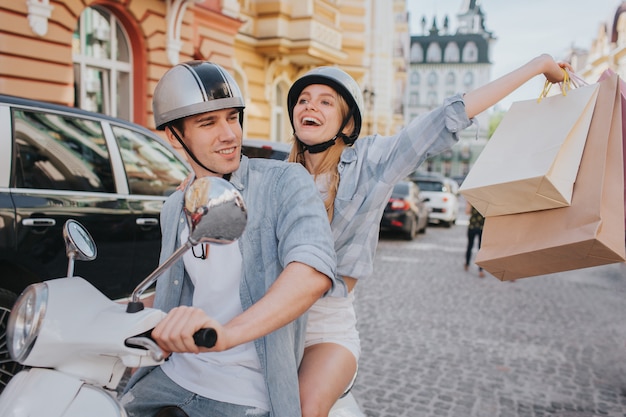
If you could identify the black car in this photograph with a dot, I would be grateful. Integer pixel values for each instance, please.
(59, 163)
(406, 212)
(259, 148)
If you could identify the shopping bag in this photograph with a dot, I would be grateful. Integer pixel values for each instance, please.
(622, 86)
(590, 231)
(531, 161)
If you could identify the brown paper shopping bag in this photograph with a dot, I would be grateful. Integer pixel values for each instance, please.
(590, 231)
(622, 86)
(531, 161)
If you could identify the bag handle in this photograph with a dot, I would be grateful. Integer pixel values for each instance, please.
(577, 80)
(565, 85)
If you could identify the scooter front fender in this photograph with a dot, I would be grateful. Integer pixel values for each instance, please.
(49, 393)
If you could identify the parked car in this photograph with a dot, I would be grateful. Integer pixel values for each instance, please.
(260, 148)
(406, 212)
(443, 195)
(58, 163)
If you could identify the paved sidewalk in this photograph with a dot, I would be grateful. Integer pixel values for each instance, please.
(439, 341)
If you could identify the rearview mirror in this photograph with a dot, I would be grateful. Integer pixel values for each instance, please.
(215, 213)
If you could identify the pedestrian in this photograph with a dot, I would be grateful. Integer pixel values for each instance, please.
(474, 231)
(356, 178)
(253, 291)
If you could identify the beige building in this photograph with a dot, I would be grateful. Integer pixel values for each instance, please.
(608, 49)
(107, 55)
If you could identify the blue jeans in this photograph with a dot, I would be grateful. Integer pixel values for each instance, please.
(155, 391)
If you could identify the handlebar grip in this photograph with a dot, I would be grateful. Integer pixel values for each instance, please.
(205, 337)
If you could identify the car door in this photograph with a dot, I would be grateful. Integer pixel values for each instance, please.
(61, 170)
(153, 171)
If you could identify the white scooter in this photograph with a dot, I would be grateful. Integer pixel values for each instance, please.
(77, 344)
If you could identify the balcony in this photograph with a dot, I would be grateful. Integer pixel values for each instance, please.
(307, 32)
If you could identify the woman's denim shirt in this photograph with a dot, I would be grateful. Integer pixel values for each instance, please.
(368, 171)
(287, 223)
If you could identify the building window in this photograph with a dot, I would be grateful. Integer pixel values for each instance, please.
(414, 99)
(102, 64)
(452, 53)
(417, 53)
(433, 53)
(281, 130)
(450, 79)
(432, 79)
(468, 80)
(415, 78)
(470, 52)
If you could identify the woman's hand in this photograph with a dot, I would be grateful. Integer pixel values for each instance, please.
(552, 70)
(482, 98)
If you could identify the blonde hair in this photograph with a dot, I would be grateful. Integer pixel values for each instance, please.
(330, 162)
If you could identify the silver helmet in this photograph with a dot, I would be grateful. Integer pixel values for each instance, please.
(341, 82)
(192, 88)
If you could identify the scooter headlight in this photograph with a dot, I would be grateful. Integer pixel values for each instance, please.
(25, 320)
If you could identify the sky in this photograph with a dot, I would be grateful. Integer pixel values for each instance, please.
(525, 29)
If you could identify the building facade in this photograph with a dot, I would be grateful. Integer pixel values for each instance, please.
(108, 55)
(607, 51)
(443, 62)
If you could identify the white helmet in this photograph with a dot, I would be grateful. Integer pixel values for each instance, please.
(341, 82)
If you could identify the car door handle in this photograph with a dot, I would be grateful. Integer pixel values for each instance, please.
(39, 222)
(147, 221)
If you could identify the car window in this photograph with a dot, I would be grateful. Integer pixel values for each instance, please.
(431, 186)
(400, 189)
(61, 153)
(151, 167)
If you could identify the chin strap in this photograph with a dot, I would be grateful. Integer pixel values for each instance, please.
(192, 156)
(321, 147)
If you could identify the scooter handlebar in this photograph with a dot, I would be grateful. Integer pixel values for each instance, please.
(205, 337)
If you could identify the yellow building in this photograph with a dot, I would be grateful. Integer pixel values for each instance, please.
(107, 55)
(608, 49)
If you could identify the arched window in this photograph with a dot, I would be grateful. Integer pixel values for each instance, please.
(470, 52)
(433, 54)
(432, 79)
(468, 80)
(450, 79)
(451, 53)
(281, 128)
(417, 53)
(415, 78)
(102, 64)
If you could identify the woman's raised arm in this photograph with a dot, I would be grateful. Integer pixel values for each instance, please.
(483, 97)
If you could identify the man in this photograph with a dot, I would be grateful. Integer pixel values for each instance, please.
(253, 291)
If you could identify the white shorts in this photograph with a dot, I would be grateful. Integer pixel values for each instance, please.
(333, 320)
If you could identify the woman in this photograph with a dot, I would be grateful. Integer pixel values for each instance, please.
(355, 178)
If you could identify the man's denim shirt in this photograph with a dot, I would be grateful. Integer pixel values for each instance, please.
(287, 223)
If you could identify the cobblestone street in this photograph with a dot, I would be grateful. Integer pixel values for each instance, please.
(440, 341)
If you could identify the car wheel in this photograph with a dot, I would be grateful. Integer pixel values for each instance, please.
(412, 232)
(8, 367)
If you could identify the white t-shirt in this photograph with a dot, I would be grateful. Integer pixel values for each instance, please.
(233, 376)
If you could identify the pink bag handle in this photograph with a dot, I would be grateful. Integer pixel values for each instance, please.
(575, 79)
